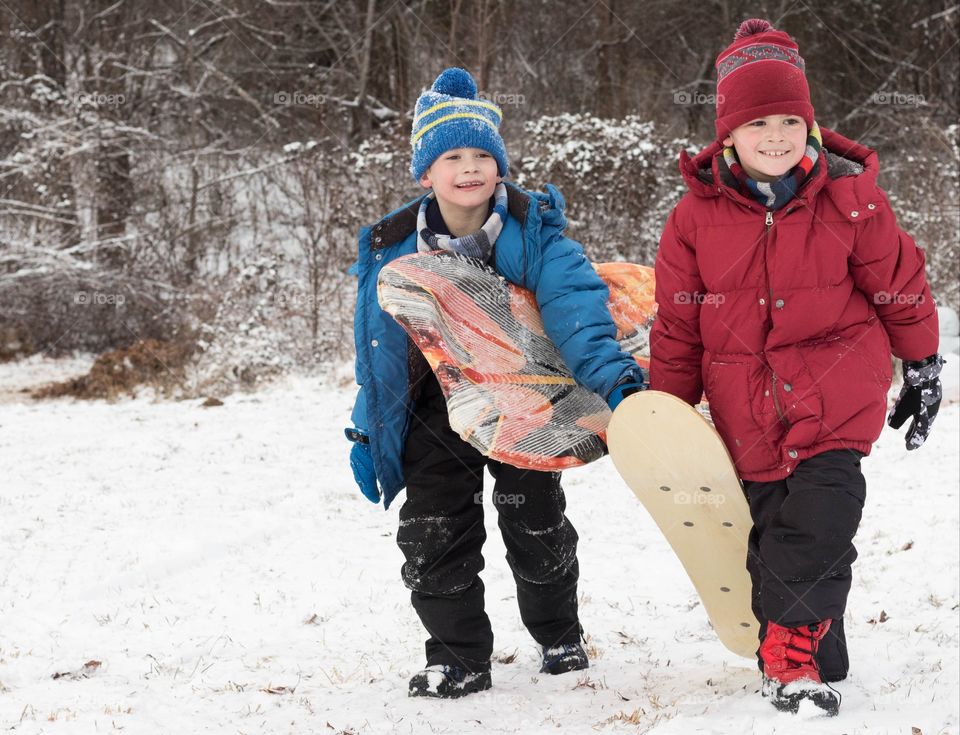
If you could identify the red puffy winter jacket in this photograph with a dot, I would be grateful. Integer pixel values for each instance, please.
(786, 319)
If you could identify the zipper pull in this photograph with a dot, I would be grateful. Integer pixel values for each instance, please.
(769, 218)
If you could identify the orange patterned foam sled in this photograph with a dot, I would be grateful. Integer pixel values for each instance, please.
(508, 391)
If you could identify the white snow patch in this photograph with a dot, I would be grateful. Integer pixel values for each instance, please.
(225, 570)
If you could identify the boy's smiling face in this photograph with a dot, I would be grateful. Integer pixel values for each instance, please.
(463, 177)
(769, 147)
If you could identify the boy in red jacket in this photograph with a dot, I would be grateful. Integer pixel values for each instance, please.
(783, 285)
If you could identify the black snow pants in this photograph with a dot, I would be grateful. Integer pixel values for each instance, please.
(441, 534)
(801, 548)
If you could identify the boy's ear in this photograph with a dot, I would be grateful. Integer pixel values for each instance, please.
(728, 141)
(425, 180)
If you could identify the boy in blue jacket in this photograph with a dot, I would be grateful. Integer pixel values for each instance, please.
(401, 434)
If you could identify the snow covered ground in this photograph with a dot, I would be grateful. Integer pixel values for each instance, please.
(224, 570)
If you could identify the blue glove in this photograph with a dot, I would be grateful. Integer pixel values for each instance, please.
(361, 462)
(630, 383)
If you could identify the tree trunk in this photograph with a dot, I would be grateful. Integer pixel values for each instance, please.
(360, 116)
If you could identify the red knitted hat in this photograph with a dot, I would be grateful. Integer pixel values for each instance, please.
(761, 73)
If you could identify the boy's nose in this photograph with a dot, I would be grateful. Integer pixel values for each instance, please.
(780, 131)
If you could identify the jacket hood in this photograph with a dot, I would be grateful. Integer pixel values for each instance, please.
(844, 158)
(550, 204)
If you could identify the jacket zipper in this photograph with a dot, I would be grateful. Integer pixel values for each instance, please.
(776, 401)
(766, 272)
(773, 376)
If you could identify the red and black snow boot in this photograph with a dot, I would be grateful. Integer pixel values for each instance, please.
(790, 672)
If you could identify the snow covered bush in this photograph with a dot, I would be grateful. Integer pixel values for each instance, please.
(619, 177)
(923, 181)
(58, 299)
(249, 339)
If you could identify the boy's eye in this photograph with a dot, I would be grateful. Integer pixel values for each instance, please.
(483, 155)
(791, 121)
(758, 123)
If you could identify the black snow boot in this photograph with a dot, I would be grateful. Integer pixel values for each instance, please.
(563, 658)
(448, 682)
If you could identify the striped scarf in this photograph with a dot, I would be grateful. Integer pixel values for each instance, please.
(476, 245)
(774, 194)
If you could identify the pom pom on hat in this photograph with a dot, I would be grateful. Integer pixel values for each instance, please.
(450, 115)
(752, 27)
(456, 82)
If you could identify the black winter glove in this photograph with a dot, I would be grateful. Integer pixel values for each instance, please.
(919, 398)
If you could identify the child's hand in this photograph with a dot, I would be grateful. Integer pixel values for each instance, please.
(919, 398)
(361, 462)
(630, 383)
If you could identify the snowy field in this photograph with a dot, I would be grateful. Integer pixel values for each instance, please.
(223, 569)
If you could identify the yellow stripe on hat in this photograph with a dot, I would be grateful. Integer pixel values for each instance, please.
(439, 120)
(459, 103)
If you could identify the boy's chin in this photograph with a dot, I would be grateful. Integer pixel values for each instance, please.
(776, 170)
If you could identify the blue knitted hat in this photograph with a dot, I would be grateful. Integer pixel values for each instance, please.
(449, 115)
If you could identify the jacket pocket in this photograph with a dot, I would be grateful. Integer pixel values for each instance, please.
(852, 374)
(735, 405)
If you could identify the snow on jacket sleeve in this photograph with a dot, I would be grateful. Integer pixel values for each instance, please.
(573, 303)
(889, 268)
(676, 349)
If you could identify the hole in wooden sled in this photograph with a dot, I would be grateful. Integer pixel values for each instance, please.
(688, 523)
(665, 488)
(728, 524)
(705, 489)
(724, 589)
(744, 625)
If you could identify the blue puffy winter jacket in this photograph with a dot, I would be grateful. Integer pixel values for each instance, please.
(530, 252)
